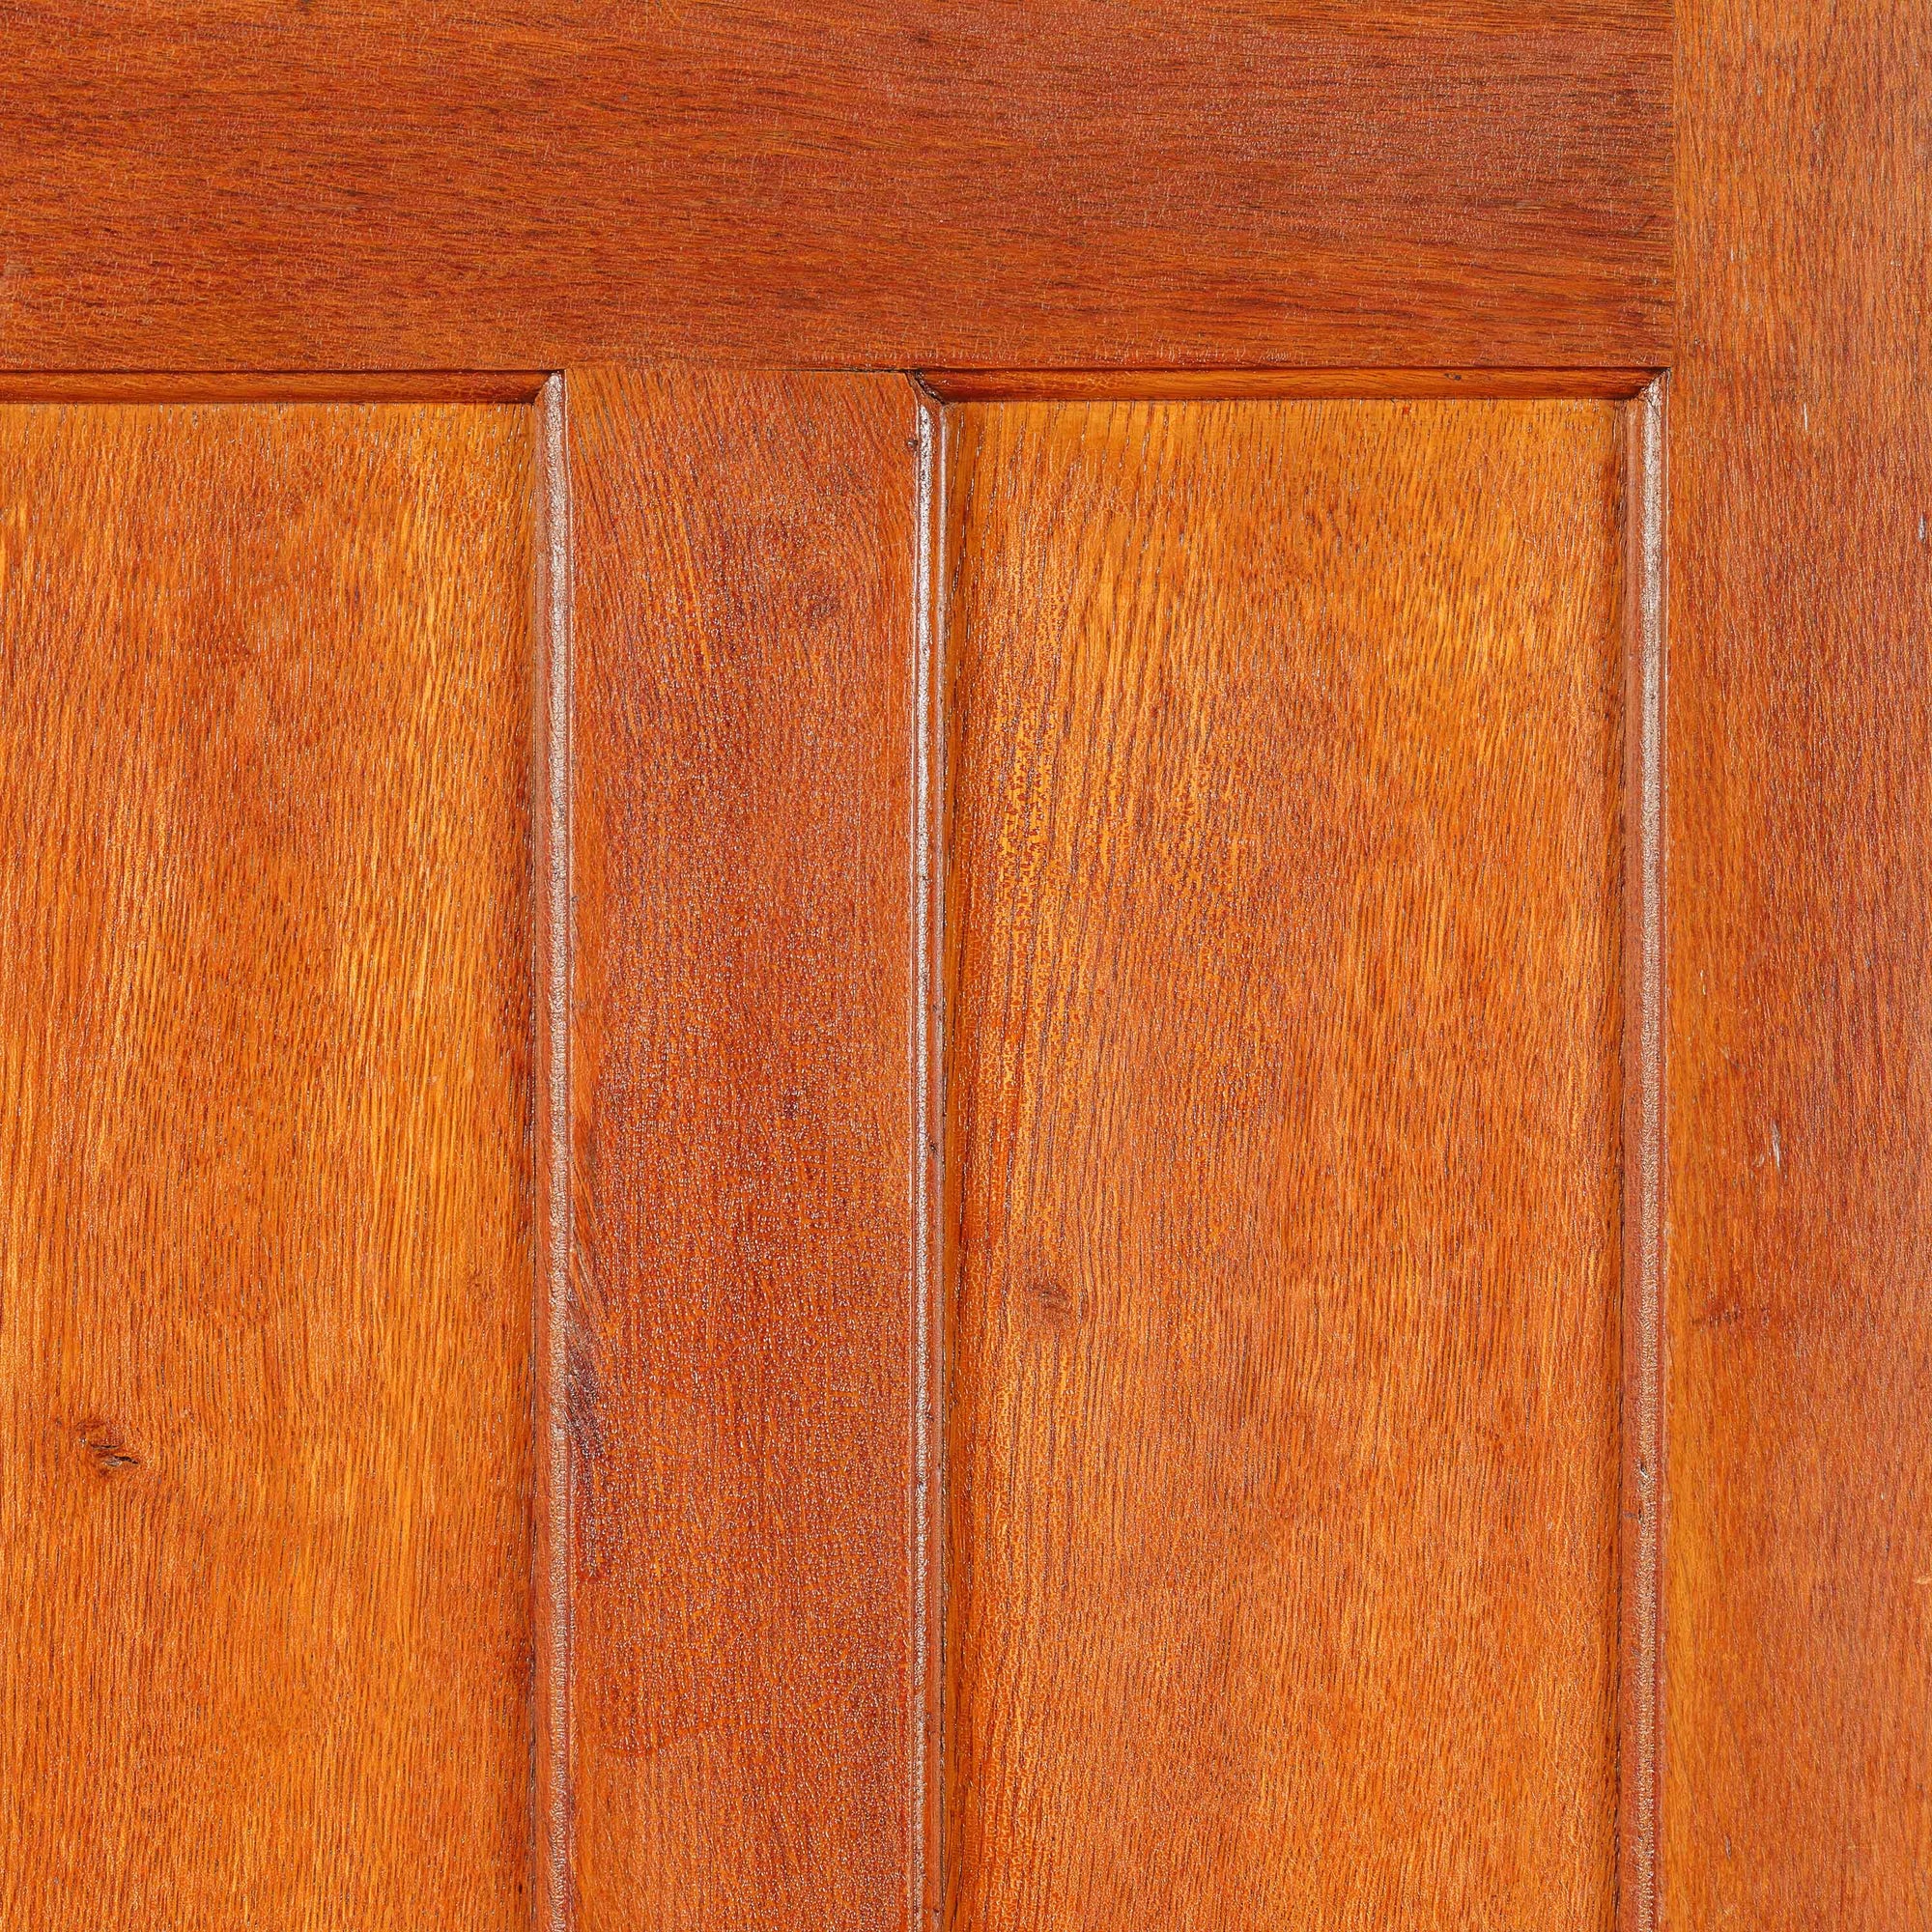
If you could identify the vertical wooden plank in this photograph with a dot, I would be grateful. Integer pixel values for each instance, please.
(741, 1391)
(1286, 916)
(1799, 1570)
(265, 1179)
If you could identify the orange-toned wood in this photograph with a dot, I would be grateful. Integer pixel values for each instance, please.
(995, 183)
(741, 1389)
(1640, 1615)
(1799, 1652)
(552, 926)
(990, 385)
(265, 1111)
(1285, 903)
(268, 385)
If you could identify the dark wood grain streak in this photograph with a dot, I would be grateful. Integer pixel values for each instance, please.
(841, 184)
(1798, 1741)
(741, 1380)
(265, 1242)
(1285, 918)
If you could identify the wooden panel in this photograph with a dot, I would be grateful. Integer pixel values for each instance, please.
(1284, 894)
(846, 184)
(741, 1380)
(1798, 1777)
(264, 1248)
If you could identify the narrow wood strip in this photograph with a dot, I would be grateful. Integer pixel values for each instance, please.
(271, 385)
(1643, 1159)
(931, 1222)
(745, 1714)
(1798, 1566)
(991, 385)
(549, 816)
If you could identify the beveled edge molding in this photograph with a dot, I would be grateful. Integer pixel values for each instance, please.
(944, 385)
(1015, 386)
(272, 385)
(1641, 1543)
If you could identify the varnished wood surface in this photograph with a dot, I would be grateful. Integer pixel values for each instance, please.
(1285, 905)
(1799, 1652)
(1003, 183)
(740, 1378)
(1136, 386)
(1645, 1154)
(269, 385)
(264, 1176)
(553, 923)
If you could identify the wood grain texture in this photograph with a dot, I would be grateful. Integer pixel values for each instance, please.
(1140, 385)
(1285, 902)
(1799, 1645)
(1003, 183)
(741, 1383)
(551, 794)
(1645, 1195)
(270, 385)
(264, 1174)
